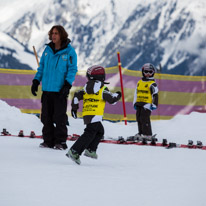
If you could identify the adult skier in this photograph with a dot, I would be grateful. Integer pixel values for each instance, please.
(57, 70)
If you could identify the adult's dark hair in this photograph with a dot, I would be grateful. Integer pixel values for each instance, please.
(63, 34)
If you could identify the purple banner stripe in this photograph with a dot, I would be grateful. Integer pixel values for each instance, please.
(16, 79)
(80, 81)
(163, 84)
(181, 86)
(24, 103)
(28, 103)
(128, 82)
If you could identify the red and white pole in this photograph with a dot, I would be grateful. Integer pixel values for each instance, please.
(122, 88)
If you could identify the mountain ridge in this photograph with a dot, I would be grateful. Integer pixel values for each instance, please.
(170, 33)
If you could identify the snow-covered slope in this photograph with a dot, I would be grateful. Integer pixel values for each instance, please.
(122, 174)
(168, 32)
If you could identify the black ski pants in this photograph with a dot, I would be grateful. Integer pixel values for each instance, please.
(90, 139)
(143, 120)
(54, 118)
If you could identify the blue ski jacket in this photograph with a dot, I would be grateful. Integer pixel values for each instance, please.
(56, 67)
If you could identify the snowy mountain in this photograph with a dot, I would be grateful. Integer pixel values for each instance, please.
(168, 32)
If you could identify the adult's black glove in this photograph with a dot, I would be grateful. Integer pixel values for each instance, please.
(34, 87)
(74, 113)
(120, 94)
(65, 89)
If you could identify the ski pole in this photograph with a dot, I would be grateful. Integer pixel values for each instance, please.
(37, 60)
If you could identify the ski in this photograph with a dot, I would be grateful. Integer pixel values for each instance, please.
(5, 132)
(143, 141)
(190, 145)
(20, 134)
(142, 138)
(72, 137)
(131, 140)
(121, 140)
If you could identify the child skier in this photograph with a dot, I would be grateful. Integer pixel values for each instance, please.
(145, 100)
(94, 96)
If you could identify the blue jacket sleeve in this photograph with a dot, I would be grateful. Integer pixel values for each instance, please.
(72, 67)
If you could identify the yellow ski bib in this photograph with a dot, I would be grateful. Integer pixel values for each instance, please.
(93, 104)
(143, 91)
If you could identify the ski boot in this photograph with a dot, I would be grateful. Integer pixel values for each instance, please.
(199, 144)
(153, 141)
(164, 142)
(134, 138)
(60, 146)
(130, 139)
(171, 145)
(89, 153)
(5, 132)
(144, 140)
(44, 145)
(137, 137)
(32, 134)
(120, 140)
(74, 156)
(21, 133)
(190, 144)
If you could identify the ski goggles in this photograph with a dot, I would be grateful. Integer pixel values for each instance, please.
(148, 72)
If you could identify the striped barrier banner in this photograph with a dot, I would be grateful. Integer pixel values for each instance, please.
(178, 94)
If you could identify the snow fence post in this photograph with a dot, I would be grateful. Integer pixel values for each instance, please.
(122, 88)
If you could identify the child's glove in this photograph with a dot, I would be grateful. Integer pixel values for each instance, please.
(135, 106)
(120, 94)
(74, 113)
(147, 106)
(153, 107)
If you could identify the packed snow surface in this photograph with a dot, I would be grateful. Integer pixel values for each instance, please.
(122, 174)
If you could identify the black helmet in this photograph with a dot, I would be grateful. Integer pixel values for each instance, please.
(96, 72)
(148, 68)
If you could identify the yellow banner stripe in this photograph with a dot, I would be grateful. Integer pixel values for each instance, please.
(170, 98)
(18, 92)
(31, 111)
(181, 98)
(17, 71)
